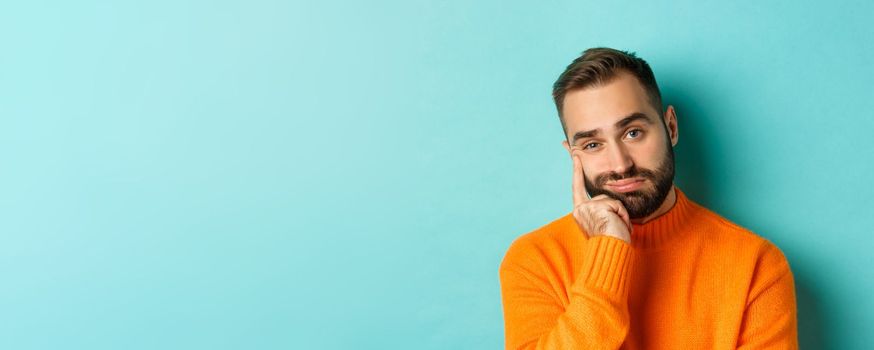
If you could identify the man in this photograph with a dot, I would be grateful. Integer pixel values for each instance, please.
(637, 264)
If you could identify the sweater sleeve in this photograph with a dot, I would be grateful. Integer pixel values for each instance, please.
(770, 318)
(596, 316)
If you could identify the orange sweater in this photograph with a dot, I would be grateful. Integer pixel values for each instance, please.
(689, 279)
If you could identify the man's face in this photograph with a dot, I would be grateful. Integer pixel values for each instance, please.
(622, 142)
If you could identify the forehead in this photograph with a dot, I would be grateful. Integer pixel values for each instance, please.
(599, 107)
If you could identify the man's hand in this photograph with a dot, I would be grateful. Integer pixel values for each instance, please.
(601, 215)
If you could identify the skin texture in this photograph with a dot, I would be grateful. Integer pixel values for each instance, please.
(637, 150)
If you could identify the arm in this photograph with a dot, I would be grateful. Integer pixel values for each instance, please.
(770, 318)
(596, 316)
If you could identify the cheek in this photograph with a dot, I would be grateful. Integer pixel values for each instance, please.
(649, 155)
(593, 169)
(595, 164)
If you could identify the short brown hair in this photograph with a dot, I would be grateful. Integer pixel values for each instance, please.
(598, 66)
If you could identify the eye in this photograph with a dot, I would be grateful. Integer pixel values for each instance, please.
(586, 146)
(634, 133)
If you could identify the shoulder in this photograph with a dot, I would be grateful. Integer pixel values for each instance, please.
(738, 240)
(541, 243)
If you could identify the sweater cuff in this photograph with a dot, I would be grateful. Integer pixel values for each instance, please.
(607, 264)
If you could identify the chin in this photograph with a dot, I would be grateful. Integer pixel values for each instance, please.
(635, 193)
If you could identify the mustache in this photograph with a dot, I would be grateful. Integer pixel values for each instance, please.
(634, 171)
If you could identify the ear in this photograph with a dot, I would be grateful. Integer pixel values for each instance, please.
(671, 124)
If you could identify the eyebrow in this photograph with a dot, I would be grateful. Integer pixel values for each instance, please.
(622, 123)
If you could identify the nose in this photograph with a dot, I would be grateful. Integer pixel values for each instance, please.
(620, 159)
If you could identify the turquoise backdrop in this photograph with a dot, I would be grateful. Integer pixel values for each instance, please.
(348, 175)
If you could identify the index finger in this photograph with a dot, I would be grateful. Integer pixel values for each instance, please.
(579, 188)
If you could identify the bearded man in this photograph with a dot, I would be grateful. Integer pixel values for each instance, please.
(636, 264)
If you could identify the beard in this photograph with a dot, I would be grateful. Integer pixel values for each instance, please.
(643, 202)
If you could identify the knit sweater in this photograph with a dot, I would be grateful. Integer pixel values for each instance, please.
(689, 279)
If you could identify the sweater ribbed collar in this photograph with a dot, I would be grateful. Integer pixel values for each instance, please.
(660, 230)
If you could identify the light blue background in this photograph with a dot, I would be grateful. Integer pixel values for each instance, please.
(348, 175)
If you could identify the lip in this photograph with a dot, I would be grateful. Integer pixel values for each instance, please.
(626, 185)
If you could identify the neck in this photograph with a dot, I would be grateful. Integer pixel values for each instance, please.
(674, 219)
(667, 204)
